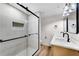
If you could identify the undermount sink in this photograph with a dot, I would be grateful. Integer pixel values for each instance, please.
(64, 41)
(61, 39)
(72, 40)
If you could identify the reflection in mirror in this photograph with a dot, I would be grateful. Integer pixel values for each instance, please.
(70, 23)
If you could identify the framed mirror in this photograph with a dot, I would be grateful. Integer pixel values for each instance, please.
(71, 22)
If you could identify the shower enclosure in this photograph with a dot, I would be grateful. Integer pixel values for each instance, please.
(19, 32)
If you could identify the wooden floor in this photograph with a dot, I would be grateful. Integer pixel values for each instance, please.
(45, 51)
(56, 51)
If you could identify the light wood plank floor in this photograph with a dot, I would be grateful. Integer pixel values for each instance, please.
(45, 51)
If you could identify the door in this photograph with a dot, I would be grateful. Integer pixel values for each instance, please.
(33, 37)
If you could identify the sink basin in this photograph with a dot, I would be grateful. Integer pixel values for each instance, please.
(64, 41)
(61, 40)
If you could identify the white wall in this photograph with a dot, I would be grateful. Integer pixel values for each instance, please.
(7, 15)
(48, 30)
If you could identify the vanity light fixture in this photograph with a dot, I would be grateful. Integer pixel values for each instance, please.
(65, 13)
(73, 6)
(69, 8)
(66, 10)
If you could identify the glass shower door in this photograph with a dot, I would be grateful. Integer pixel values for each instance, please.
(33, 35)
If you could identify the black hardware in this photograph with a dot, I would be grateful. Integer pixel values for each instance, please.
(16, 38)
(13, 39)
(77, 13)
(26, 8)
(32, 34)
(68, 39)
(67, 24)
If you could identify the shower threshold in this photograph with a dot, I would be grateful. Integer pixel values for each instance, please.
(27, 52)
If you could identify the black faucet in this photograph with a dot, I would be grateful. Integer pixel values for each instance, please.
(68, 39)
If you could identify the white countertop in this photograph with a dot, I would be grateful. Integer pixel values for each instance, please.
(63, 43)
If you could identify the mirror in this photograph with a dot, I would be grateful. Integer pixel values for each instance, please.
(71, 24)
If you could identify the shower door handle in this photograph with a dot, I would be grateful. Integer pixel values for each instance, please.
(1, 41)
(32, 34)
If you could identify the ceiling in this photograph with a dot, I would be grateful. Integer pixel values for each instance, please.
(46, 9)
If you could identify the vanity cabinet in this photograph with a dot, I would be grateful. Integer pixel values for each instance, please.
(71, 23)
(60, 51)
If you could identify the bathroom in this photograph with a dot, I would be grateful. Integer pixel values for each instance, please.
(39, 29)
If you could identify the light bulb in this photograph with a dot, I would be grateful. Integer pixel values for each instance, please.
(66, 14)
